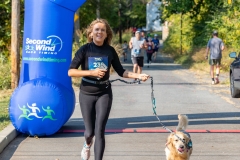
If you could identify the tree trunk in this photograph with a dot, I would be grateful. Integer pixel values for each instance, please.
(76, 29)
(15, 50)
(120, 23)
(98, 9)
(130, 8)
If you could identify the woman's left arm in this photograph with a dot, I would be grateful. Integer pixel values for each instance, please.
(128, 74)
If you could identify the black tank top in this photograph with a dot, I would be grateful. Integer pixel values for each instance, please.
(82, 59)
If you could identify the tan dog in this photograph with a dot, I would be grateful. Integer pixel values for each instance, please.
(179, 144)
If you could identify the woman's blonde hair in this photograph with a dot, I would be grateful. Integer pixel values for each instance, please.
(109, 31)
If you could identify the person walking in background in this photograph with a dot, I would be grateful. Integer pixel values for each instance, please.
(156, 46)
(143, 35)
(216, 46)
(150, 50)
(137, 46)
(125, 50)
(95, 97)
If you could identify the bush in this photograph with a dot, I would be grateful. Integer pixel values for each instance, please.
(5, 76)
(4, 104)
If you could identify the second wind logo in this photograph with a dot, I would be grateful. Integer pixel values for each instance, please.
(52, 45)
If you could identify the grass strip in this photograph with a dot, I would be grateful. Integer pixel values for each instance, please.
(4, 104)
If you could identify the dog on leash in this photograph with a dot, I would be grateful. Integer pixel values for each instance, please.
(179, 144)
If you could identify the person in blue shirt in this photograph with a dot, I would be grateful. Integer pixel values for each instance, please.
(216, 46)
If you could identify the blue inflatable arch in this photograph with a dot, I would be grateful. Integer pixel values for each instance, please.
(44, 99)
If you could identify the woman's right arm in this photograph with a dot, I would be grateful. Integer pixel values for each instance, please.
(75, 64)
(84, 73)
(79, 73)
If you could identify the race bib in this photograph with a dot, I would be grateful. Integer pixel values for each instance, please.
(97, 62)
(137, 51)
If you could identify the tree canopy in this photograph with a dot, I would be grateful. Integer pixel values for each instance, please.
(199, 18)
(133, 13)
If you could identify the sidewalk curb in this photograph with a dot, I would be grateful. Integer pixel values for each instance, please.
(7, 135)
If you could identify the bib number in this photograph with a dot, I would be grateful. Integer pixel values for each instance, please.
(97, 62)
(136, 51)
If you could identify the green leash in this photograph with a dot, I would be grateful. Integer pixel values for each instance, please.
(189, 145)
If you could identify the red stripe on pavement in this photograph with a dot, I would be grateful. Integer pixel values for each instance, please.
(119, 130)
(150, 131)
(198, 131)
(224, 131)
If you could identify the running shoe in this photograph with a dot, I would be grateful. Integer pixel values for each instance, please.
(213, 82)
(85, 154)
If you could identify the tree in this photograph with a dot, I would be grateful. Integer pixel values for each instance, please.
(15, 50)
(132, 11)
(98, 9)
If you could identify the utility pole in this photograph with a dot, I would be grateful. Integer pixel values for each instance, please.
(130, 8)
(120, 23)
(181, 15)
(98, 9)
(15, 50)
(181, 31)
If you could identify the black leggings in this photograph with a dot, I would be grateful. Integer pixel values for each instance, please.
(149, 57)
(95, 111)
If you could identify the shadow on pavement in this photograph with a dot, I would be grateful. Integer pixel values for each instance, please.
(162, 62)
(151, 121)
(154, 66)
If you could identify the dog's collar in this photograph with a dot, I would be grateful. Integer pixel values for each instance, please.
(189, 144)
(186, 133)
